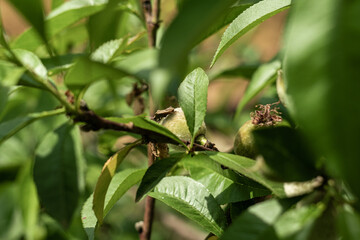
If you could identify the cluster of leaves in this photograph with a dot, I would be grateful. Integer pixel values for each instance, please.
(312, 191)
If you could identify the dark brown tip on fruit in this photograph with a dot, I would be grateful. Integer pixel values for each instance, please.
(266, 115)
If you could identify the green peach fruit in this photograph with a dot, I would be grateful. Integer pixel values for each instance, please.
(176, 123)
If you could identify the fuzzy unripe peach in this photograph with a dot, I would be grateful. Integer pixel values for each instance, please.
(265, 117)
(244, 141)
(176, 123)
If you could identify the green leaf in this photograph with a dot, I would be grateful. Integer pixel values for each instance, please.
(33, 13)
(36, 75)
(56, 3)
(189, 25)
(10, 127)
(321, 80)
(60, 63)
(193, 99)
(263, 76)
(97, 24)
(320, 227)
(193, 200)
(108, 50)
(31, 62)
(139, 63)
(9, 76)
(256, 223)
(193, 19)
(10, 225)
(154, 130)
(225, 185)
(296, 220)
(67, 14)
(251, 17)
(58, 172)
(286, 153)
(88, 217)
(29, 204)
(120, 184)
(348, 222)
(245, 166)
(226, 17)
(4, 94)
(9, 73)
(155, 173)
(86, 71)
(105, 178)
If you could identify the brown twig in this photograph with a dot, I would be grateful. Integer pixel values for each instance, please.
(149, 206)
(94, 122)
(151, 14)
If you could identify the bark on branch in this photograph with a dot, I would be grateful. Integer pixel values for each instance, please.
(94, 122)
(151, 14)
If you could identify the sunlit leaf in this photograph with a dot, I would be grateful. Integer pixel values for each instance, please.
(245, 166)
(225, 185)
(59, 161)
(107, 51)
(105, 178)
(226, 17)
(57, 64)
(193, 200)
(10, 127)
(9, 73)
(98, 32)
(29, 205)
(155, 173)
(68, 13)
(251, 17)
(139, 63)
(193, 99)
(85, 71)
(31, 62)
(119, 185)
(88, 217)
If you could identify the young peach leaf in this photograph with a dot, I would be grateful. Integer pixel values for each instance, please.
(192, 199)
(59, 161)
(105, 178)
(245, 166)
(155, 173)
(247, 20)
(193, 99)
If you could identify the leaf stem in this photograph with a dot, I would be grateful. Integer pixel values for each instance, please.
(48, 113)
